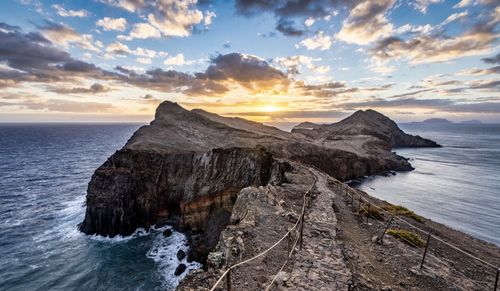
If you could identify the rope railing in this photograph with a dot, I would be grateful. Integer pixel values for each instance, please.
(300, 221)
(299, 225)
(434, 237)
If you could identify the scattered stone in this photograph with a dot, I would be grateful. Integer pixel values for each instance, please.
(180, 269)
(181, 255)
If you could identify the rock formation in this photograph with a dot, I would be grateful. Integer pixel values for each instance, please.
(187, 167)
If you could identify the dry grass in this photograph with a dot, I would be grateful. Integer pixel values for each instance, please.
(408, 237)
(402, 211)
(372, 212)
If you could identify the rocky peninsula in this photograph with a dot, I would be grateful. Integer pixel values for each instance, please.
(235, 186)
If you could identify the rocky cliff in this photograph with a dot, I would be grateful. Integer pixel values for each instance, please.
(364, 123)
(187, 167)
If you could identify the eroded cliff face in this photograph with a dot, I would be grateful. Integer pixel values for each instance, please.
(141, 188)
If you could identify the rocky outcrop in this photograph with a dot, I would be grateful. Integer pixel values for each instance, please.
(364, 123)
(187, 167)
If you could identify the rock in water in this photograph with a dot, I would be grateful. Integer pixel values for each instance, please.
(181, 255)
(167, 232)
(180, 269)
(187, 167)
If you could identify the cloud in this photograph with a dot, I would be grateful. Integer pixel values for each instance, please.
(141, 31)
(61, 11)
(287, 12)
(492, 60)
(366, 22)
(422, 5)
(455, 17)
(30, 57)
(59, 105)
(413, 93)
(440, 48)
(292, 64)
(65, 36)
(118, 48)
(480, 72)
(465, 3)
(441, 105)
(144, 61)
(225, 73)
(164, 17)
(129, 5)
(319, 41)
(108, 23)
(309, 22)
(209, 17)
(408, 28)
(177, 60)
(96, 88)
(147, 97)
(289, 28)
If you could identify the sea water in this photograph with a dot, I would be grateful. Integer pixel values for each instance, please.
(44, 173)
(457, 185)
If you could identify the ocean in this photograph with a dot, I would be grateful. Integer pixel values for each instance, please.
(457, 185)
(44, 172)
(45, 169)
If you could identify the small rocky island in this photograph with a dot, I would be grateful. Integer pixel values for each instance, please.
(235, 186)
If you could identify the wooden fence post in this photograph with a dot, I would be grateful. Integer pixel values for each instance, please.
(425, 251)
(301, 229)
(228, 280)
(496, 280)
(367, 212)
(289, 239)
(381, 239)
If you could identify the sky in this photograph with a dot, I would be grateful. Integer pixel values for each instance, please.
(278, 62)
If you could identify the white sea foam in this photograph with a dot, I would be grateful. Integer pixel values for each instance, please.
(164, 253)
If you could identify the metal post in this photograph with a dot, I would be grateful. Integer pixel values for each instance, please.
(228, 280)
(496, 279)
(385, 230)
(425, 251)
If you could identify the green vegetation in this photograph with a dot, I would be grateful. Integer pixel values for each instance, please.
(402, 211)
(372, 212)
(408, 237)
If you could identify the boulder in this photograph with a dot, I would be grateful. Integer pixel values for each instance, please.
(180, 269)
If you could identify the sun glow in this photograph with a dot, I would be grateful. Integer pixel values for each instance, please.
(270, 108)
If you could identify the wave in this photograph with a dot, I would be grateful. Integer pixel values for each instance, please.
(164, 253)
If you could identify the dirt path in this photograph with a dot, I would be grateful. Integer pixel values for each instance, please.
(320, 264)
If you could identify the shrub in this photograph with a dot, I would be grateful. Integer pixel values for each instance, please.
(371, 212)
(408, 237)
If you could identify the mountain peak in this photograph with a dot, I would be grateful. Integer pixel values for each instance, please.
(168, 107)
